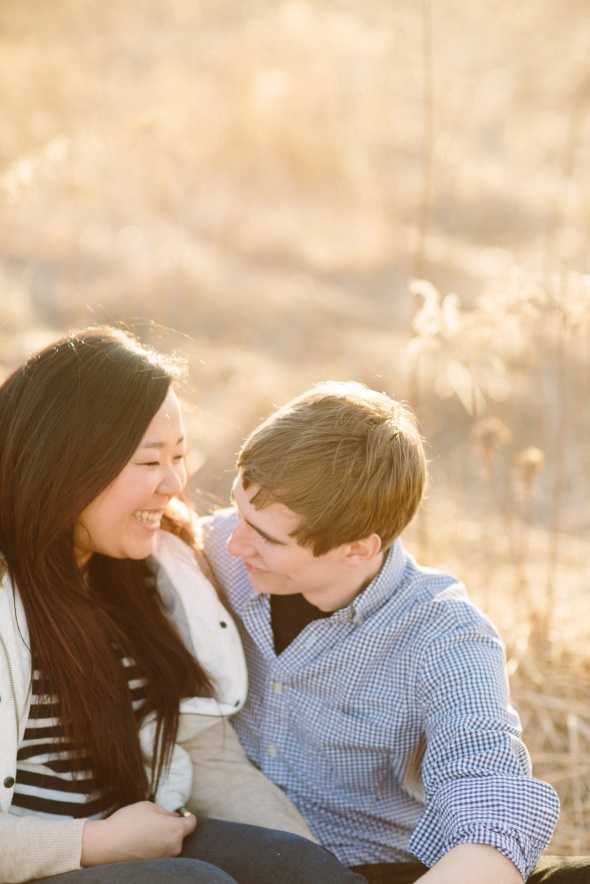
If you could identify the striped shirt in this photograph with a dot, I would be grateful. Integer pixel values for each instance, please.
(53, 780)
(388, 723)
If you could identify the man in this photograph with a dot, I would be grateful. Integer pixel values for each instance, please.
(378, 697)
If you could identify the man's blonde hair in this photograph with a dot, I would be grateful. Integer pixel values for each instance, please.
(350, 461)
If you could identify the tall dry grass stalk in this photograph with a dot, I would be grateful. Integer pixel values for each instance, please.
(518, 361)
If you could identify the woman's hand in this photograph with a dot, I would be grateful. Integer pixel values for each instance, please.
(138, 831)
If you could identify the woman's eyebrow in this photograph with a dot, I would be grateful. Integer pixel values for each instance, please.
(154, 444)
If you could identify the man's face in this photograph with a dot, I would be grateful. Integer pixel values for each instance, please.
(276, 563)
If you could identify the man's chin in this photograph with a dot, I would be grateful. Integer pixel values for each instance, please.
(257, 578)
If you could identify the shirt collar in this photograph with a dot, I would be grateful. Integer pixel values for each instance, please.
(384, 586)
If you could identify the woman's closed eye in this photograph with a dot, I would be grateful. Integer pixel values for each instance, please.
(178, 458)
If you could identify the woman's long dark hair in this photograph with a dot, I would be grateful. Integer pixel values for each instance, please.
(70, 419)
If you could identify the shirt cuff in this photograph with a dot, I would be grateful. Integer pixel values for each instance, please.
(517, 817)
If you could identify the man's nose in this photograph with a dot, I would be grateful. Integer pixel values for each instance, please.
(238, 543)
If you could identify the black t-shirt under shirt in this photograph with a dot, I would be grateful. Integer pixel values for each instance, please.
(289, 614)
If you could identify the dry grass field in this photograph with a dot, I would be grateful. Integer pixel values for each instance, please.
(396, 192)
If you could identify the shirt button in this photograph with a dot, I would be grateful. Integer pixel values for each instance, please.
(9, 782)
(278, 687)
(272, 750)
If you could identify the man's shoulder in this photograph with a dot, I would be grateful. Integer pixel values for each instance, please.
(224, 515)
(428, 597)
(213, 530)
(404, 582)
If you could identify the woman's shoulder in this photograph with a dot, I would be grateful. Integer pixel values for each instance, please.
(172, 549)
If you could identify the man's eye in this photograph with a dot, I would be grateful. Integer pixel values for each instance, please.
(151, 463)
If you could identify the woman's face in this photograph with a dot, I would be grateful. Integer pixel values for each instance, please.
(123, 521)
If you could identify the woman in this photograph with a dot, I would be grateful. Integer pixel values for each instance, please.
(114, 648)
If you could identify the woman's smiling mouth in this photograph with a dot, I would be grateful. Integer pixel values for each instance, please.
(149, 518)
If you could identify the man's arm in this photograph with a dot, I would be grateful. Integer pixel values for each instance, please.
(476, 771)
(473, 864)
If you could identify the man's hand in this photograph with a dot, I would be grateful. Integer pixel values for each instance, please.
(138, 831)
(473, 864)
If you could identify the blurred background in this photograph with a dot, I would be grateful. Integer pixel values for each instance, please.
(396, 192)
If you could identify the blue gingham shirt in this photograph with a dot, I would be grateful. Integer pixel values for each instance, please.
(388, 723)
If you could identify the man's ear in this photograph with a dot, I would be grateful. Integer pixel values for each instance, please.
(360, 552)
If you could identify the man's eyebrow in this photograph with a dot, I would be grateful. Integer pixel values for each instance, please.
(155, 444)
(254, 527)
(262, 533)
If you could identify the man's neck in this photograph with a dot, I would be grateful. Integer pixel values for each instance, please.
(342, 595)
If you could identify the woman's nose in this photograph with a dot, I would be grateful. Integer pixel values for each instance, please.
(174, 481)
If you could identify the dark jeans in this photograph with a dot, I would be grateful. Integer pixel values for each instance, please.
(550, 870)
(225, 853)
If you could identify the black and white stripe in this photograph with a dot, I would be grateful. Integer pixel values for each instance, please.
(53, 779)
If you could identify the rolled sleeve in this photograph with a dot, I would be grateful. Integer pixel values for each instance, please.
(516, 816)
(476, 771)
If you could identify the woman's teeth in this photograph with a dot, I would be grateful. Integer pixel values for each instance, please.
(150, 518)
